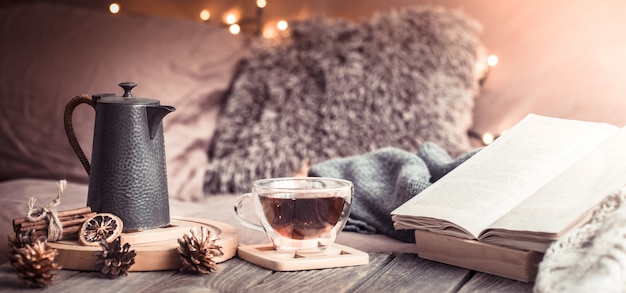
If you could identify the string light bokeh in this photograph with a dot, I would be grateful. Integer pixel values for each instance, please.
(114, 8)
(236, 23)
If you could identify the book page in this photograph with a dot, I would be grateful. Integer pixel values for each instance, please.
(503, 174)
(568, 199)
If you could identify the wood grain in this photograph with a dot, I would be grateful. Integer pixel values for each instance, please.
(234, 275)
(409, 273)
(487, 283)
(384, 273)
(344, 279)
(151, 256)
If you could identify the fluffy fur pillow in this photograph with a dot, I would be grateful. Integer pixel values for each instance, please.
(338, 88)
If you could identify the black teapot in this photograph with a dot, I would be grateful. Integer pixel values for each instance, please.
(127, 174)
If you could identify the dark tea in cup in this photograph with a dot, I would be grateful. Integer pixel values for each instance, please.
(302, 218)
(299, 214)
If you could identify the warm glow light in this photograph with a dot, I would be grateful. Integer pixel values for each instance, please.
(269, 32)
(282, 25)
(261, 3)
(114, 8)
(487, 138)
(492, 60)
(234, 29)
(231, 18)
(205, 14)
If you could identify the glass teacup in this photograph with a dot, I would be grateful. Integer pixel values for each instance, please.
(299, 214)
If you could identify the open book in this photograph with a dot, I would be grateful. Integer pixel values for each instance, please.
(539, 180)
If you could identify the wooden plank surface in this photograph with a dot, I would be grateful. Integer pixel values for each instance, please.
(10, 283)
(384, 273)
(327, 280)
(409, 273)
(486, 283)
(234, 275)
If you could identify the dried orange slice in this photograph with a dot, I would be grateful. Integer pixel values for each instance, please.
(100, 226)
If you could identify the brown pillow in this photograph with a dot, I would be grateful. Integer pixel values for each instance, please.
(51, 53)
(337, 89)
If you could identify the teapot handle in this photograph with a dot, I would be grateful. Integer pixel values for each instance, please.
(69, 129)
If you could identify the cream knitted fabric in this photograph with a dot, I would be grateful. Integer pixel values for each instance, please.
(591, 258)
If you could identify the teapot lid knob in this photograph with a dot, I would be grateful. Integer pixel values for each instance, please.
(127, 86)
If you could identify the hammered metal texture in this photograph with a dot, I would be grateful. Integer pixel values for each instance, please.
(128, 173)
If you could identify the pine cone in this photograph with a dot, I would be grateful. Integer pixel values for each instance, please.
(197, 251)
(25, 237)
(114, 261)
(33, 259)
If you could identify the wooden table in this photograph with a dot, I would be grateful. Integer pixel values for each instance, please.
(385, 272)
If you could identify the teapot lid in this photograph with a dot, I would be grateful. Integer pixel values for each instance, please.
(127, 98)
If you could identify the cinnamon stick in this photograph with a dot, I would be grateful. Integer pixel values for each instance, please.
(68, 233)
(62, 219)
(73, 212)
(71, 230)
(65, 221)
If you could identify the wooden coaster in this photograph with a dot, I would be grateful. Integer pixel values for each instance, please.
(155, 248)
(266, 256)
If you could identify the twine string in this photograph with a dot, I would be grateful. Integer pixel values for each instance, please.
(49, 211)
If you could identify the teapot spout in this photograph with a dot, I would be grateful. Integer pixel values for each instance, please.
(155, 116)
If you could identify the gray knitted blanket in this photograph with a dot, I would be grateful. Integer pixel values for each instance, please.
(384, 179)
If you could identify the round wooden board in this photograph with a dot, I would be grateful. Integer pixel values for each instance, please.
(151, 256)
